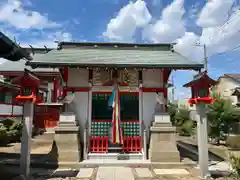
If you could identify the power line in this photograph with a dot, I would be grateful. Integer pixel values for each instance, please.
(233, 17)
(227, 51)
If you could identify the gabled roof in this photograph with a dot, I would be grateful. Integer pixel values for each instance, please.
(235, 77)
(11, 51)
(119, 55)
(201, 78)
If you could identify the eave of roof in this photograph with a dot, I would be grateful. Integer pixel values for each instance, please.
(114, 55)
(235, 77)
(141, 66)
(236, 91)
(9, 85)
(11, 51)
(17, 67)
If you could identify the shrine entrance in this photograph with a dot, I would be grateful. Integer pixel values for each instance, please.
(100, 139)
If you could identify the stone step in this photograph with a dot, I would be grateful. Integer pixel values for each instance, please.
(48, 137)
(115, 156)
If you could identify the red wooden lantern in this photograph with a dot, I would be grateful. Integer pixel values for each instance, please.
(29, 88)
(200, 87)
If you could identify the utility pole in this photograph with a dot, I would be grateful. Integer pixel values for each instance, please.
(205, 58)
(173, 93)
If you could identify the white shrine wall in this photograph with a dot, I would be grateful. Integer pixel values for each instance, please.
(79, 78)
(151, 79)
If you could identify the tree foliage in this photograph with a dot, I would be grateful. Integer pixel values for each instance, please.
(221, 114)
(181, 119)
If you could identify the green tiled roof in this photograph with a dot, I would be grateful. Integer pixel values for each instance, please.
(18, 66)
(112, 55)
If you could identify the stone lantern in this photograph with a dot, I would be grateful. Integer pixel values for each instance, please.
(29, 96)
(29, 88)
(201, 96)
(200, 88)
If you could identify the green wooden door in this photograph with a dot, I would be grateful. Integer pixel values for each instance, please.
(129, 107)
(100, 108)
(102, 114)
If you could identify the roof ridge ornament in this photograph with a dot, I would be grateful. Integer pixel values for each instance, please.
(172, 48)
(33, 52)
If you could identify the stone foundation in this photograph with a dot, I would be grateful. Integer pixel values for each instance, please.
(163, 146)
(68, 148)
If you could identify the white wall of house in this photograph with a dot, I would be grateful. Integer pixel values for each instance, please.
(79, 78)
(11, 110)
(225, 88)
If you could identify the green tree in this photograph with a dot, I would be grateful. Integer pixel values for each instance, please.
(220, 116)
(172, 110)
(180, 118)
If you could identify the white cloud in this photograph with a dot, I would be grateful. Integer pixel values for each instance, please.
(214, 13)
(124, 25)
(13, 13)
(49, 40)
(219, 34)
(170, 26)
(187, 42)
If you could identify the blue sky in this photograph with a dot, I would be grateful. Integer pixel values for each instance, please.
(39, 23)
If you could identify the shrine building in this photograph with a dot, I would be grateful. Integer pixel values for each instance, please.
(90, 70)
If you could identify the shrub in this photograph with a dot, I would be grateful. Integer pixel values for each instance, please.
(8, 123)
(11, 131)
(235, 162)
(3, 134)
(15, 131)
(186, 129)
(182, 116)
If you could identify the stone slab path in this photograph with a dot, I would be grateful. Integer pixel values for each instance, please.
(119, 173)
(114, 173)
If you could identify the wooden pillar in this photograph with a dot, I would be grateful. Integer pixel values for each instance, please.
(89, 108)
(141, 122)
(165, 74)
(65, 75)
(90, 77)
(55, 89)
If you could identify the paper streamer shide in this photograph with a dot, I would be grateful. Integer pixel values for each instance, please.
(114, 102)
